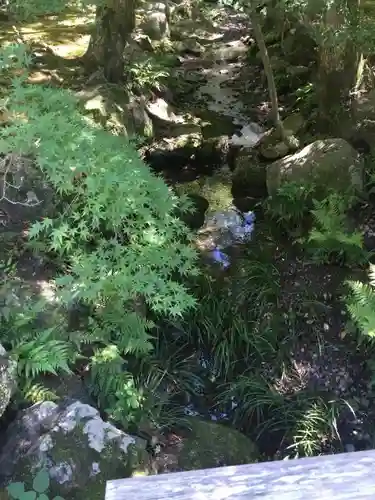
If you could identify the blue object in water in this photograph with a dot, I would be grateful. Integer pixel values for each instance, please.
(249, 218)
(220, 257)
(242, 232)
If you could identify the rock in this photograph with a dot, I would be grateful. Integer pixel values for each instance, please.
(364, 117)
(79, 450)
(230, 52)
(66, 386)
(168, 123)
(271, 148)
(246, 203)
(329, 164)
(144, 42)
(189, 46)
(117, 110)
(299, 45)
(155, 20)
(8, 379)
(249, 176)
(294, 122)
(207, 445)
(274, 151)
(187, 157)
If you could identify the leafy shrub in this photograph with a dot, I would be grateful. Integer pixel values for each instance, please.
(147, 74)
(330, 239)
(39, 489)
(31, 9)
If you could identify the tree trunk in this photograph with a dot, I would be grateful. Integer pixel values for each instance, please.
(114, 22)
(338, 62)
(258, 33)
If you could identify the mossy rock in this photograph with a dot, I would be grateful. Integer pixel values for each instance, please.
(216, 189)
(210, 444)
(79, 450)
(330, 164)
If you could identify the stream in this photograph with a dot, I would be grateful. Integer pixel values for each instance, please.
(223, 100)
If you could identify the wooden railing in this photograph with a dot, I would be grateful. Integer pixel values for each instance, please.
(347, 476)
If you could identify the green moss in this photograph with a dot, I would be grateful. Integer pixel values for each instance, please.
(211, 445)
(216, 190)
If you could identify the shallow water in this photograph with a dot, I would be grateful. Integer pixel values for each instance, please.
(225, 101)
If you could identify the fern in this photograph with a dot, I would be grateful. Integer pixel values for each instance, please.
(37, 393)
(361, 304)
(330, 240)
(290, 205)
(43, 355)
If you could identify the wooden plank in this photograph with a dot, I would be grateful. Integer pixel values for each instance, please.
(346, 476)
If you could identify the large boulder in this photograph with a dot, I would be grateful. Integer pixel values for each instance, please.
(117, 110)
(328, 164)
(79, 450)
(8, 379)
(207, 445)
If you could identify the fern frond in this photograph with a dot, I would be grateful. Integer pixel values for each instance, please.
(37, 393)
(107, 374)
(361, 307)
(372, 274)
(43, 355)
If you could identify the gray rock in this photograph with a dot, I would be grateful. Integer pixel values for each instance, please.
(79, 450)
(155, 20)
(229, 52)
(168, 123)
(329, 164)
(8, 379)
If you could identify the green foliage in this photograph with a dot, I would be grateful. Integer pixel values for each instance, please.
(306, 99)
(122, 250)
(40, 486)
(290, 206)
(31, 9)
(361, 305)
(230, 324)
(146, 74)
(144, 392)
(108, 189)
(330, 239)
(305, 421)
